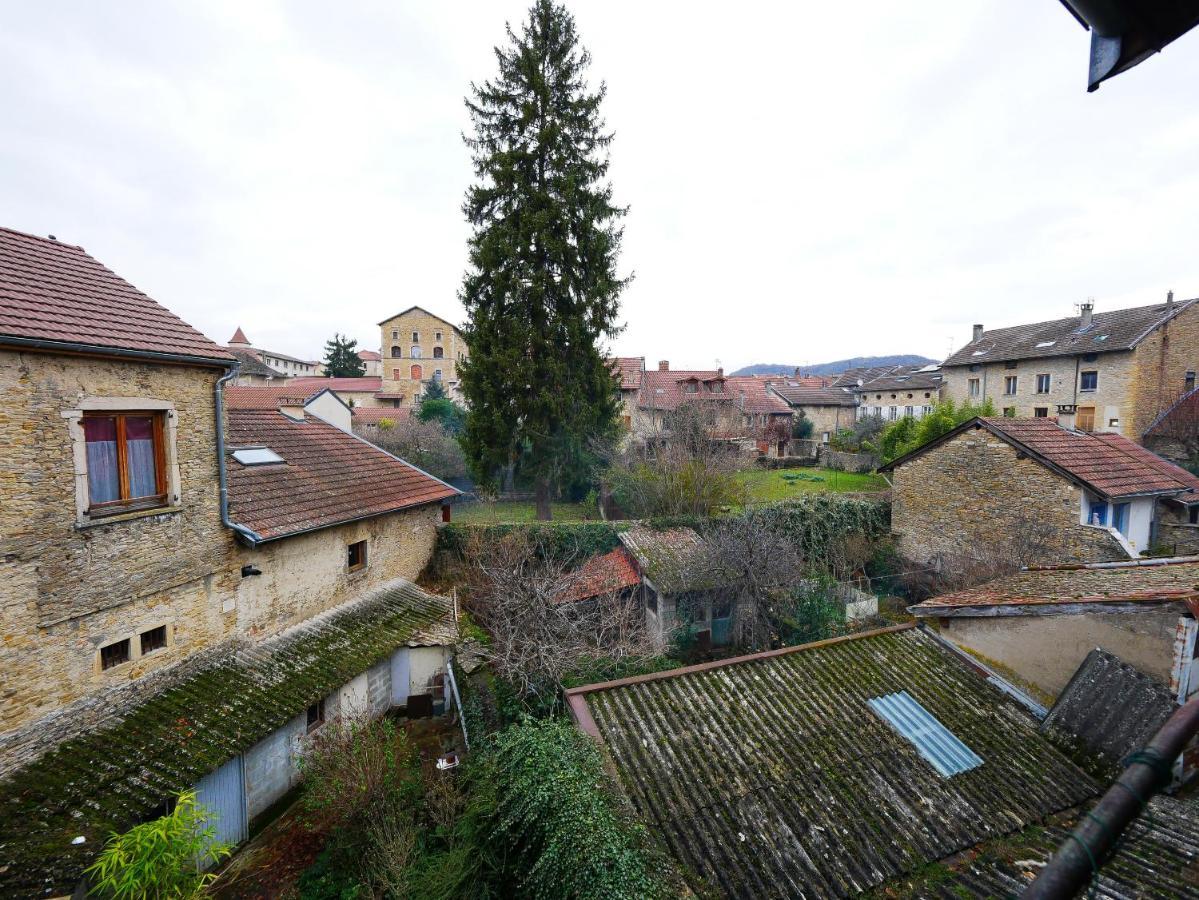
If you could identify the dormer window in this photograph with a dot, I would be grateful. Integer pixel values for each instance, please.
(717, 387)
(691, 387)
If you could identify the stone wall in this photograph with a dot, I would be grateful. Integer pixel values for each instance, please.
(848, 462)
(397, 332)
(827, 419)
(1047, 650)
(307, 574)
(1174, 530)
(1161, 362)
(974, 497)
(70, 588)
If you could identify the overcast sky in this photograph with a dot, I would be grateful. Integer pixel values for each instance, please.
(806, 181)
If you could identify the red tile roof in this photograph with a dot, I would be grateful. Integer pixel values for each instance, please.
(327, 476)
(629, 369)
(664, 390)
(1109, 463)
(757, 396)
(267, 396)
(607, 574)
(371, 415)
(364, 384)
(239, 337)
(368, 355)
(1136, 581)
(56, 292)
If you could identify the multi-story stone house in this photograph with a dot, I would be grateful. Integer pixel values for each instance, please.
(1025, 491)
(373, 362)
(1097, 371)
(830, 409)
(290, 366)
(910, 391)
(419, 347)
(184, 598)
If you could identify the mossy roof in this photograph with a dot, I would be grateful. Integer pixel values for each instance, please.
(771, 776)
(110, 778)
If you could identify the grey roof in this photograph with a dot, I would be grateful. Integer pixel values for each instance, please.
(1110, 707)
(904, 378)
(1119, 329)
(1156, 857)
(673, 559)
(851, 377)
(769, 775)
(214, 707)
(800, 395)
(250, 364)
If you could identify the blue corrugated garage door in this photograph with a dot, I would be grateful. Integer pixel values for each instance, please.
(223, 794)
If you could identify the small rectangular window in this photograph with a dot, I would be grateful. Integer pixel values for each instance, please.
(1088, 381)
(1009, 384)
(1098, 513)
(909, 411)
(1189, 383)
(1041, 412)
(315, 716)
(938, 745)
(114, 654)
(1009, 412)
(416, 337)
(1042, 384)
(154, 639)
(975, 387)
(356, 555)
(1010, 364)
(438, 335)
(1193, 515)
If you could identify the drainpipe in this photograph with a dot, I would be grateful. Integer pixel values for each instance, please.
(222, 476)
(1088, 847)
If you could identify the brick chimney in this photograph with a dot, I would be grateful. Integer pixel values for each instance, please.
(663, 365)
(978, 333)
(1087, 308)
(293, 407)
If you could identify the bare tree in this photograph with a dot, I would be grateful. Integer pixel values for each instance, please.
(526, 601)
(681, 469)
(427, 445)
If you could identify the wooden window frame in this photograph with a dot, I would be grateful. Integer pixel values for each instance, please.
(1078, 418)
(363, 554)
(141, 640)
(128, 654)
(1011, 384)
(126, 503)
(312, 723)
(1048, 382)
(1082, 380)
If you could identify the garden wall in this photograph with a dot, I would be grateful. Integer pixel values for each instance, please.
(848, 462)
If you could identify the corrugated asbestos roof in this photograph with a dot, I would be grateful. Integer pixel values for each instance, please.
(56, 292)
(1135, 581)
(1110, 708)
(113, 775)
(1117, 329)
(770, 776)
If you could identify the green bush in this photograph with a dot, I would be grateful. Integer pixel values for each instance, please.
(162, 858)
(907, 434)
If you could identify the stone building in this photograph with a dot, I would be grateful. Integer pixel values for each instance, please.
(1042, 623)
(1098, 371)
(288, 366)
(419, 347)
(1031, 491)
(910, 391)
(629, 370)
(829, 409)
(373, 362)
(183, 602)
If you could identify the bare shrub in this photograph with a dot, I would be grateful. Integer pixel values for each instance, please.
(426, 445)
(519, 595)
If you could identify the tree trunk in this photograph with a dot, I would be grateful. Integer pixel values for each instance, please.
(544, 511)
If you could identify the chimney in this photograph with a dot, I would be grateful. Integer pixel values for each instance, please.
(663, 365)
(1087, 308)
(1169, 299)
(293, 407)
(720, 372)
(978, 333)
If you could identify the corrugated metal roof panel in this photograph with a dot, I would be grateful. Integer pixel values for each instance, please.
(932, 740)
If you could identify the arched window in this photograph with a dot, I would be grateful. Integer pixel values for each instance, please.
(438, 353)
(396, 352)
(416, 352)
(417, 373)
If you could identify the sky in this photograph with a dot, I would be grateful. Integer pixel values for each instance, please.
(806, 182)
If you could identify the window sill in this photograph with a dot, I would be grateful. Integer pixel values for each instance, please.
(85, 522)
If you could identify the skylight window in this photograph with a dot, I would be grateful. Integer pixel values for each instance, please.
(1101, 337)
(978, 353)
(1044, 344)
(932, 740)
(257, 456)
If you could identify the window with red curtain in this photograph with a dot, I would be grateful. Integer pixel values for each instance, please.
(417, 373)
(125, 461)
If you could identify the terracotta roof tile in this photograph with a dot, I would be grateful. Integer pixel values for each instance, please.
(368, 355)
(629, 369)
(327, 476)
(371, 415)
(57, 292)
(267, 396)
(1136, 581)
(365, 384)
(1109, 463)
(1118, 329)
(607, 574)
(753, 395)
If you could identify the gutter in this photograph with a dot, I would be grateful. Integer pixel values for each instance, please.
(124, 353)
(218, 391)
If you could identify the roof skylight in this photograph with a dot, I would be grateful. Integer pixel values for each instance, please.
(932, 740)
(1044, 344)
(257, 456)
(978, 353)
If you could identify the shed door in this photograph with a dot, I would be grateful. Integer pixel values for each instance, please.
(401, 676)
(223, 794)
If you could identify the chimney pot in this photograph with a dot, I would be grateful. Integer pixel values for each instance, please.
(1169, 298)
(663, 365)
(1088, 310)
(978, 333)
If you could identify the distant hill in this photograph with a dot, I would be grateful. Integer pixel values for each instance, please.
(836, 368)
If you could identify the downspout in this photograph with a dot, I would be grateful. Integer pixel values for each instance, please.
(222, 476)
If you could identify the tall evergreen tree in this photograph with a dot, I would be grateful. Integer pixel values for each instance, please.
(341, 358)
(541, 289)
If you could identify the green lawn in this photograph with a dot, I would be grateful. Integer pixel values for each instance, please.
(772, 485)
(505, 511)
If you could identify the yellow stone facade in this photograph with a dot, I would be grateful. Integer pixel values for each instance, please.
(416, 346)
